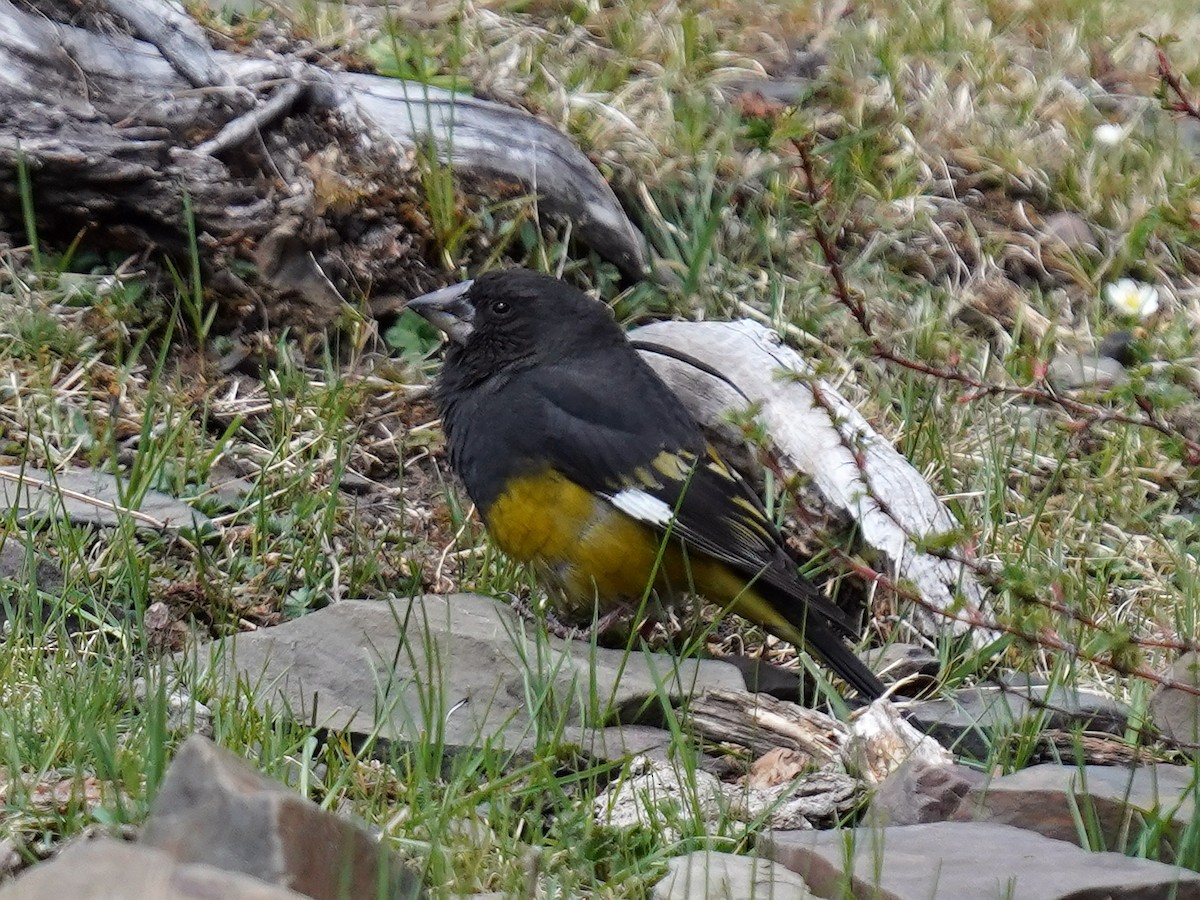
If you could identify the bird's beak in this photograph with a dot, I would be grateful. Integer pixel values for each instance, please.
(448, 311)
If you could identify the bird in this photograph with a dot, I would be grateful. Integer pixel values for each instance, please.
(584, 464)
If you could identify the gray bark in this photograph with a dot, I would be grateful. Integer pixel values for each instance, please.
(851, 472)
(118, 134)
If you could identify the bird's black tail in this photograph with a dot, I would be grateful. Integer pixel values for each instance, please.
(825, 644)
(807, 628)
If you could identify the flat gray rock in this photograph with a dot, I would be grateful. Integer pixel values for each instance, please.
(969, 720)
(1176, 712)
(214, 808)
(19, 563)
(112, 870)
(464, 666)
(91, 497)
(711, 875)
(22, 568)
(918, 792)
(969, 861)
(621, 741)
(849, 470)
(1077, 371)
(763, 677)
(1112, 800)
(910, 663)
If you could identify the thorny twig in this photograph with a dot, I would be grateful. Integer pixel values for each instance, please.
(1047, 639)
(1089, 414)
(1171, 85)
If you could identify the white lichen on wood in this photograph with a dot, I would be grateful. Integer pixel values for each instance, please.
(816, 434)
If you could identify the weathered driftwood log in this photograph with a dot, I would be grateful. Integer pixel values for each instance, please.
(872, 745)
(760, 723)
(309, 174)
(849, 470)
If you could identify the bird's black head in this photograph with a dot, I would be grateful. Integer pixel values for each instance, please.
(513, 318)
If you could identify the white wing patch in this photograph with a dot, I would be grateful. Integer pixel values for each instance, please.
(643, 507)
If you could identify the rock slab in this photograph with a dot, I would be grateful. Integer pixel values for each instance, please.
(91, 497)
(112, 870)
(919, 792)
(463, 669)
(971, 719)
(909, 664)
(214, 809)
(712, 875)
(1175, 711)
(25, 575)
(1112, 801)
(979, 861)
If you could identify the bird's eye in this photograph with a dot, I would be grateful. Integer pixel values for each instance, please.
(501, 307)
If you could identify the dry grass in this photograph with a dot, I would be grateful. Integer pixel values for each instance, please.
(945, 137)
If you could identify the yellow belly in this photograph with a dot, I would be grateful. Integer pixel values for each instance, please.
(594, 554)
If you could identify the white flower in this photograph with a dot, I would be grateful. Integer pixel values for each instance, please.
(1108, 134)
(1132, 298)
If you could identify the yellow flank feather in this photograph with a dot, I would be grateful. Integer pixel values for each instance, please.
(717, 466)
(596, 555)
(642, 475)
(674, 466)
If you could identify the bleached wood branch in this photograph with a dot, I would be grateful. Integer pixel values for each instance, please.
(818, 435)
(117, 132)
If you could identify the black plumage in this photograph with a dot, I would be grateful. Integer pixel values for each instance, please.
(540, 383)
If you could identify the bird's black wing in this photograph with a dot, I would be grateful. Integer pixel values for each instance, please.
(624, 435)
